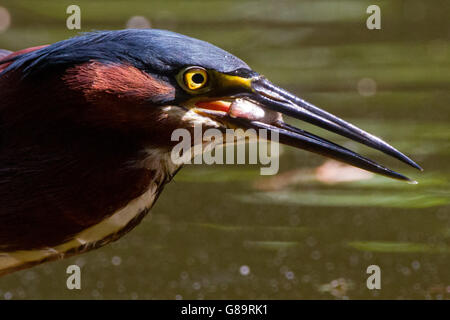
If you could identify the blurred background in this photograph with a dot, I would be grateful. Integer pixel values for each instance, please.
(225, 232)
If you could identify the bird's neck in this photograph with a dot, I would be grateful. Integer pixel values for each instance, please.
(84, 203)
(77, 178)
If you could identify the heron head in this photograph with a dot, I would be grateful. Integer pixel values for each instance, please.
(168, 80)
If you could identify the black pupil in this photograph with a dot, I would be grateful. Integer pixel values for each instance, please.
(198, 78)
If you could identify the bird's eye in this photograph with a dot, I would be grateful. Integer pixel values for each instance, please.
(194, 78)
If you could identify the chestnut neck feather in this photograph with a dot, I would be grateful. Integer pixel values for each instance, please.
(68, 142)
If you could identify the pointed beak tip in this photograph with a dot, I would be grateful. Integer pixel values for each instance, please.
(413, 164)
(279, 100)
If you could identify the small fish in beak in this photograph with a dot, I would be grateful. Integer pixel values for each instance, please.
(262, 105)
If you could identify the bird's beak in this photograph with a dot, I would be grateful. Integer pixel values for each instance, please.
(256, 106)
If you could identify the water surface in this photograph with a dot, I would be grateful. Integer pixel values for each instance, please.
(226, 232)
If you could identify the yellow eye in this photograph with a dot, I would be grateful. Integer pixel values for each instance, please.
(195, 78)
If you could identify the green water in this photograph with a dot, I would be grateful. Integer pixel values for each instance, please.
(218, 231)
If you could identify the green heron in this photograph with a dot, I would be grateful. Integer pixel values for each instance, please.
(85, 133)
